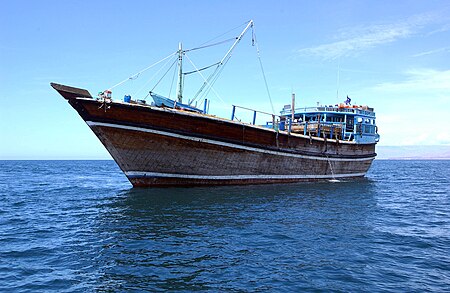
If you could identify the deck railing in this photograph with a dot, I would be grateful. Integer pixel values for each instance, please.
(274, 120)
(324, 129)
(332, 130)
(305, 110)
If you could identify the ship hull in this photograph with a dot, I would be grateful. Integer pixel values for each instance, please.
(151, 157)
(167, 147)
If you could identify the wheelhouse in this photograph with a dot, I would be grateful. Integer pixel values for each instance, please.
(342, 122)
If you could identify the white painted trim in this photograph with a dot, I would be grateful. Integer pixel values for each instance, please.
(220, 119)
(225, 144)
(141, 174)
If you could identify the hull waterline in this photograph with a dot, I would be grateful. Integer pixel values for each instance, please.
(168, 147)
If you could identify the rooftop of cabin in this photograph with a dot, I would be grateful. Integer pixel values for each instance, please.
(336, 109)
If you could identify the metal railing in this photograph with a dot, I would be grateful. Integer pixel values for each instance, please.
(324, 129)
(274, 121)
(305, 110)
(330, 130)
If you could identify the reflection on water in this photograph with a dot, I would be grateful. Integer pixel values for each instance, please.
(226, 237)
(78, 226)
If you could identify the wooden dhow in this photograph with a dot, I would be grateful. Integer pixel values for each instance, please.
(168, 143)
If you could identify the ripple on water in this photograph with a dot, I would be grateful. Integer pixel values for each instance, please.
(79, 226)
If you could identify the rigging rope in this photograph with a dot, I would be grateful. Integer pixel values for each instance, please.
(207, 46)
(201, 69)
(173, 63)
(153, 76)
(210, 81)
(215, 38)
(254, 41)
(205, 82)
(136, 75)
(213, 77)
(173, 79)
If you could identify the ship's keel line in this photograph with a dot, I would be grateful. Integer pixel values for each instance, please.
(225, 144)
(141, 174)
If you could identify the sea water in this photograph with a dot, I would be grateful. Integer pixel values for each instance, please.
(76, 226)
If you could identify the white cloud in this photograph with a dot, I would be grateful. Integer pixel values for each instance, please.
(435, 51)
(359, 39)
(414, 111)
(442, 29)
(412, 128)
(422, 80)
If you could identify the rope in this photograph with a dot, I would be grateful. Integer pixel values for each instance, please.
(212, 78)
(201, 69)
(215, 44)
(215, 38)
(136, 75)
(205, 82)
(223, 61)
(216, 77)
(173, 79)
(164, 75)
(262, 68)
(153, 76)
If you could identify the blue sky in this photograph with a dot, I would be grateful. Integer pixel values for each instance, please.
(391, 55)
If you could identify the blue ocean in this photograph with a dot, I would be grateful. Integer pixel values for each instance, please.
(79, 226)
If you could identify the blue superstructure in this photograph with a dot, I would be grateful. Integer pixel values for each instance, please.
(342, 122)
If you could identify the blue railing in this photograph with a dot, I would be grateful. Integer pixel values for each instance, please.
(306, 110)
(274, 124)
(324, 129)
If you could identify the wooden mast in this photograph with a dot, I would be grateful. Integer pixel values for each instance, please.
(180, 73)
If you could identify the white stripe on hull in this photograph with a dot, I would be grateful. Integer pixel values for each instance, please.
(225, 144)
(141, 174)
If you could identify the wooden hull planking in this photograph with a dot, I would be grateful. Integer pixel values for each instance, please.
(166, 147)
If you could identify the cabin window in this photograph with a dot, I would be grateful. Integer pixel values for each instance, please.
(369, 128)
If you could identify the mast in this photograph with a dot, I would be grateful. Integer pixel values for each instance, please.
(292, 113)
(249, 25)
(293, 107)
(180, 73)
(224, 60)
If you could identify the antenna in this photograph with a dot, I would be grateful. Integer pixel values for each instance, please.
(337, 79)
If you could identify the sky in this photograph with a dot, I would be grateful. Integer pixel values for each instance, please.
(391, 55)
